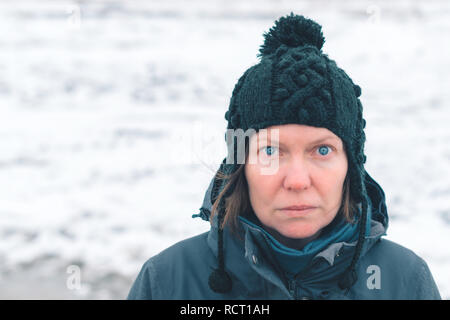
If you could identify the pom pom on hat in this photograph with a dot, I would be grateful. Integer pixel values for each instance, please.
(292, 31)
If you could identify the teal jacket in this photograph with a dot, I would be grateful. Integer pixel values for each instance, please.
(385, 269)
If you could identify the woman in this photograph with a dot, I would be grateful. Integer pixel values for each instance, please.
(293, 213)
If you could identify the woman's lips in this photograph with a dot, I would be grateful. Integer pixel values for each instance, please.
(298, 207)
(297, 213)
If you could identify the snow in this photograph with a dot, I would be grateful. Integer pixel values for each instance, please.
(112, 125)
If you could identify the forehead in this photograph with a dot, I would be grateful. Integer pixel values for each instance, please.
(295, 133)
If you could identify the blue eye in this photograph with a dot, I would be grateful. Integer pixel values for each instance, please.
(323, 150)
(272, 150)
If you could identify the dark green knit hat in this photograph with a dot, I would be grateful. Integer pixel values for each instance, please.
(296, 83)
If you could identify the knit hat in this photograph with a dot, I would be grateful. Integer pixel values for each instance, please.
(296, 83)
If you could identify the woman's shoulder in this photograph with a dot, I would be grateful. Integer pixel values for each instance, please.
(395, 257)
(189, 247)
(395, 252)
(395, 271)
(175, 264)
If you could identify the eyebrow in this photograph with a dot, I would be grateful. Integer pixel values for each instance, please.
(313, 142)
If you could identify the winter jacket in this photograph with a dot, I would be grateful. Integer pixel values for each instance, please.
(385, 269)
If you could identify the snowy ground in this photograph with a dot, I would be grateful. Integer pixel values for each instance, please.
(112, 124)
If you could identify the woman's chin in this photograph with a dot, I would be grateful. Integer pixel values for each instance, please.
(299, 232)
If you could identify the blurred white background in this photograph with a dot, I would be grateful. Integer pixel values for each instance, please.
(112, 125)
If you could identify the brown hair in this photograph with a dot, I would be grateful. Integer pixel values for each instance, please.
(238, 201)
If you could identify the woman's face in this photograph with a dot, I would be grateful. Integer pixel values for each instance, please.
(311, 169)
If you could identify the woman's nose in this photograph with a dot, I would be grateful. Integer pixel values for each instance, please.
(297, 177)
